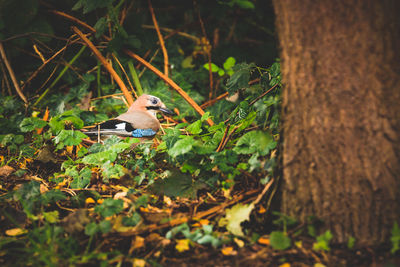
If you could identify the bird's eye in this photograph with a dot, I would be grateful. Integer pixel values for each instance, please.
(154, 101)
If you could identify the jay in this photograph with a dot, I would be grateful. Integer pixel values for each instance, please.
(139, 121)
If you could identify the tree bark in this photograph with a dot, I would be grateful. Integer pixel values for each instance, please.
(341, 114)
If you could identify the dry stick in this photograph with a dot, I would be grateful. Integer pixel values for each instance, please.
(229, 137)
(260, 196)
(65, 15)
(126, 75)
(160, 38)
(170, 82)
(107, 65)
(177, 221)
(212, 101)
(46, 62)
(223, 138)
(263, 94)
(12, 75)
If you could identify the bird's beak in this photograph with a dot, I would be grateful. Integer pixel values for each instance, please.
(166, 111)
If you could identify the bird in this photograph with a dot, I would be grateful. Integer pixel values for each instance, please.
(139, 121)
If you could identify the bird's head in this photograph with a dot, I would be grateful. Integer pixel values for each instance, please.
(151, 104)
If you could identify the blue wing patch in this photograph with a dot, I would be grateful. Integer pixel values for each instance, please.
(143, 133)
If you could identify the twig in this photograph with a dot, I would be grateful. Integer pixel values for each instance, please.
(260, 196)
(171, 83)
(68, 65)
(263, 94)
(107, 65)
(212, 101)
(34, 74)
(160, 38)
(183, 34)
(213, 211)
(126, 75)
(11, 72)
(223, 138)
(229, 137)
(71, 18)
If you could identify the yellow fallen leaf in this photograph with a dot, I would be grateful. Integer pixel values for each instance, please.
(90, 200)
(261, 210)
(319, 265)
(100, 201)
(139, 263)
(285, 265)
(204, 222)
(228, 251)
(182, 245)
(239, 242)
(16, 231)
(298, 244)
(263, 241)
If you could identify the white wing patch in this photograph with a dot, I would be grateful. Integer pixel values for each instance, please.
(120, 126)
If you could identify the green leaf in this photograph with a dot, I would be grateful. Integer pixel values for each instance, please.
(323, 241)
(255, 142)
(236, 215)
(245, 4)
(32, 123)
(351, 242)
(229, 63)
(112, 171)
(132, 220)
(109, 207)
(214, 68)
(69, 138)
(182, 146)
(279, 240)
(194, 128)
(395, 238)
(105, 226)
(91, 228)
(221, 72)
(51, 216)
(240, 78)
(82, 180)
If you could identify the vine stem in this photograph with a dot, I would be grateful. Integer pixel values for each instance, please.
(12, 75)
(107, 65)
(160, 38)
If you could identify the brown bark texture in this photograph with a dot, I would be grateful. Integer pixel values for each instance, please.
(341, 114)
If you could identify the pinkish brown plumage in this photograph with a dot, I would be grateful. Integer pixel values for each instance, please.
(139, 121)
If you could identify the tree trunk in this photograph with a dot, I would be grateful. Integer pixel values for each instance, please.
(341, 114)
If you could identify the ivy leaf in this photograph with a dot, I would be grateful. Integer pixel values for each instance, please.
(83, 179)
(255, 141)
(182, 146)
(240, 78)
(111, 171)
(235, 216)
(110, 207)
(105, 226)
(279, 240)
(69, 138)
(91, 229)
(32, 123)
(194, 128)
